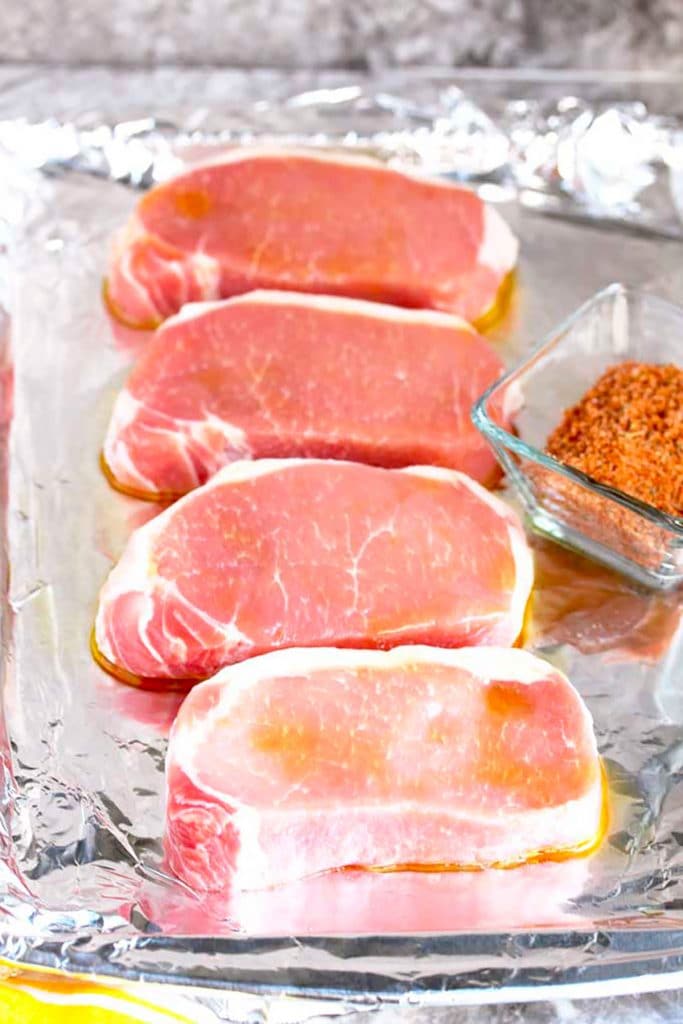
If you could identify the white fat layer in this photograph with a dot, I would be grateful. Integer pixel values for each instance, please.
(207, 273)
(206, 270)
(499, 247)
(234, 437)
(513, 836)
(128, 274)
(319, 155)
(448, 476)
(524, 577)
(116, 453)
(134, 573)
(127, 409)
(328, 303)
(124, 469)
(482, 662)
(130, 574)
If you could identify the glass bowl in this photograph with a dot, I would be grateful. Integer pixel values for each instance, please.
(617, 324)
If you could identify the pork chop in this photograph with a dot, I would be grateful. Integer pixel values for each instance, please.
(312, 222)
(282, 553)
(275, 374)
(303, 761)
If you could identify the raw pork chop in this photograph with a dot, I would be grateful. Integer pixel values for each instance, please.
(302, 761)
(307, 553)
(308, 222)
(280, 374)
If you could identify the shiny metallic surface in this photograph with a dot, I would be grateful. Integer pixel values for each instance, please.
(83, 880)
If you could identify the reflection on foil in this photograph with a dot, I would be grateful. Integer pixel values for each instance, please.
(586, 605)
(82, 880)
(607, 158)
(136, 153)
(611, 164)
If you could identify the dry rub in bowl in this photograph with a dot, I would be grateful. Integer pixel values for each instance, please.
(617, 325)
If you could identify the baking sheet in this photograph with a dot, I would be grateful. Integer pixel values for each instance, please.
(82, 755)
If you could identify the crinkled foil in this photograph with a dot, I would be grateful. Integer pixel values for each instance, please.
(614, 163)
(84, 886)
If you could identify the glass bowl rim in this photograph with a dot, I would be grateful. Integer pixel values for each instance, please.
(491, 430)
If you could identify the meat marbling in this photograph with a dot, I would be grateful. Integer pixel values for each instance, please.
(274, 374)
(303, 761)
(292, 552)
(312, 222)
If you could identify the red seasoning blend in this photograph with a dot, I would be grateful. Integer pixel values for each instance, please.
(627, 432)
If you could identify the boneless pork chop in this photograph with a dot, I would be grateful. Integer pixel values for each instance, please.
(308, 222)
(280, 374)
(282, 553)
(301, 761)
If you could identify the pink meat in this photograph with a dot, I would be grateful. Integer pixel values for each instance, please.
(275, 374)
(283, 553)
(303, 761)
(308, 222)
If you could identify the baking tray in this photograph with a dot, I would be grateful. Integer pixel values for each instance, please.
(84, 887)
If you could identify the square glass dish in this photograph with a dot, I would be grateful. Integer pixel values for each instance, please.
(618, 324)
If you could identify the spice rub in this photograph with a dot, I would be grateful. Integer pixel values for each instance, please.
(627, 432)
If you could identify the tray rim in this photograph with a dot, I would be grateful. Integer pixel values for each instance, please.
(654, 963)
(647, 960)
